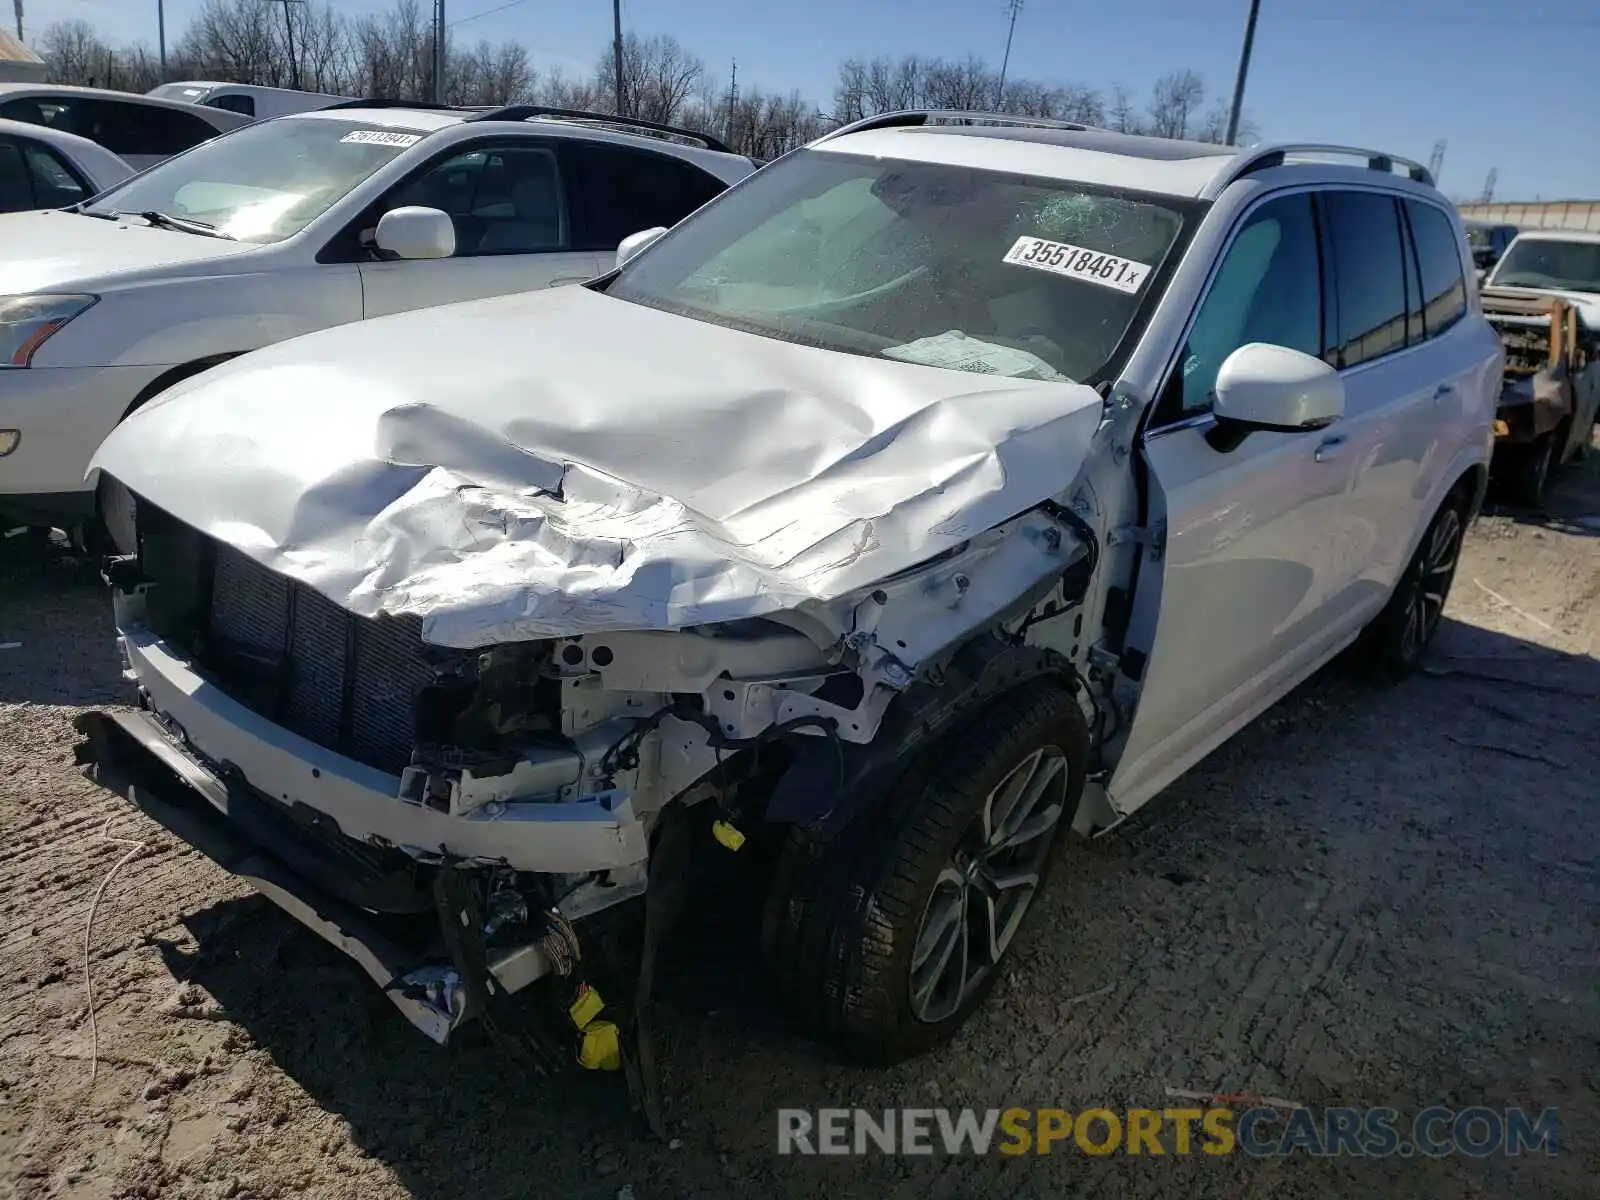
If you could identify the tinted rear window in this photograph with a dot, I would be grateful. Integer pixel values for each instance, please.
(1369, 274)
(1444, 287)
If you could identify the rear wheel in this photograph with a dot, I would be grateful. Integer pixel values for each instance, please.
(884, 939)
(1397, 638)
(1531, 473)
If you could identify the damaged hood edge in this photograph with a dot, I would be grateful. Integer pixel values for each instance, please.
(559, 463)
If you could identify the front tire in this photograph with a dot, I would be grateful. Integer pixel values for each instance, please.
(886, 937)
(1399, 636)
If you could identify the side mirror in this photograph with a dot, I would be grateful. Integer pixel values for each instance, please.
(1275, 388)
(635, 242)
(415, 232)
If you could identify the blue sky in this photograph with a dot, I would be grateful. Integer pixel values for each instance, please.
(1394, 74)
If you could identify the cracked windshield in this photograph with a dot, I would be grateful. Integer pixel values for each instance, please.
(919, 262)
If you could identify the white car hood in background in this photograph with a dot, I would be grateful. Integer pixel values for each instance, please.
(49, 250)
(559, 462)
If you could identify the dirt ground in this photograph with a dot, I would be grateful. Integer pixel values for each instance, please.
(1366, 898)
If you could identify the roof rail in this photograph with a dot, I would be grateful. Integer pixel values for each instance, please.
(385, 102)
(1260, 158)
(910, 117)
(523, 112)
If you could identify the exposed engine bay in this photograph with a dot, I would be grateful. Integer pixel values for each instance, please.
(668, 734)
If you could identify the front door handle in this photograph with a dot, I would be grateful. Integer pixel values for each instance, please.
(1329, 448)
(1443, 392)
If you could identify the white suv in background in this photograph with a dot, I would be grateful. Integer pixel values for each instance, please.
(296, 224)
(941, 487)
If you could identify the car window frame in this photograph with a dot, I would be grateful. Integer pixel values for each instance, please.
(1166, 413)
(346, 244)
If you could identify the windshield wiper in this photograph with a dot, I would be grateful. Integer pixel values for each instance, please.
(182, 224)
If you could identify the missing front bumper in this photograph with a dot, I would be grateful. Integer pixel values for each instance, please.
(129, 753)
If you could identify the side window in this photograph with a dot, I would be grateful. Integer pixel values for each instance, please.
(1369, 275)
(57, 113)
(125, 128)
(502, 200)
(1444, 288)
(244, 105)
(16, 195)
(55, 185)
(1266, 289)
(625, 191)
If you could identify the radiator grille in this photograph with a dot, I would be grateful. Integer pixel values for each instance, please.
(345, 682)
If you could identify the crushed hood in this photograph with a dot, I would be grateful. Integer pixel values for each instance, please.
(560, 462)
(56, 251)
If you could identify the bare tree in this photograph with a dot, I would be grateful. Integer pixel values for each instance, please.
(658, 77)
(1174, 103)
(390, 54)
(72, 52)
(1121, 116)
(558, 91)
(1214, 126)
(968, 84)
(236, 41)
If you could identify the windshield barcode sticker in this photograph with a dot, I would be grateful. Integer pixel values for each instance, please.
(382, 137)
(1076, 262)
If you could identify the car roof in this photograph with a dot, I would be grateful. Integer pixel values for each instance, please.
(106, 167)
(728, 167)
(68, 89)
(1082, 153)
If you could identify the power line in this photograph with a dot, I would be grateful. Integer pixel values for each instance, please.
(488, 12)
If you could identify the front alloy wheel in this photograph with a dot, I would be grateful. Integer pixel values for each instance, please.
(884, 937)
(980, 896)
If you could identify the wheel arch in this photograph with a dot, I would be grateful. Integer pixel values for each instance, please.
(175, 375)
(829, 785)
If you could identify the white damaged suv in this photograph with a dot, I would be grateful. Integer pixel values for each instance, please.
(949, 484)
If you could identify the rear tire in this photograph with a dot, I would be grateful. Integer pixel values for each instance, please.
(1399, 636)
(884, 938)
(1530, 475)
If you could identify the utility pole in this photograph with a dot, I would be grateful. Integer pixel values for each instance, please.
(616, 50)
(161, 33)
(18, 5)
(1014, 7)
(439, 51)
(1436, 161)
(1488, 186)
(1244, 70)
(288, 29)
(733, 98)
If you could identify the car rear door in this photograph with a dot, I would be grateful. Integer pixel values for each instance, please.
(509, 199)
(1396, 393)
(1229, 610)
